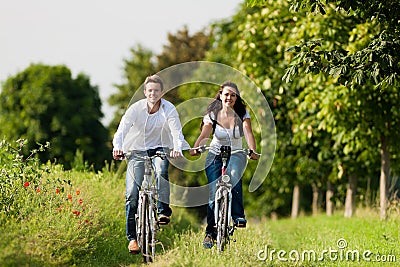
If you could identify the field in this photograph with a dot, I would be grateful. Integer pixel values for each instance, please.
(77, 219)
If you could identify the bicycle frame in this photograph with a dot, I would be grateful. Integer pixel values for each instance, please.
(146, 216)
(223, 193)
(223, 219)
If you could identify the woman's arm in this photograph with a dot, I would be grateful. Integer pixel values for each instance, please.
(204, 135)
(248, 134)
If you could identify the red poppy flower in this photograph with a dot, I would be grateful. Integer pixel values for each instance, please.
(77, 213)
(26, 184)
(78, 192)
(80, 201)
(38, 190)
(69, 196)
(57, 191)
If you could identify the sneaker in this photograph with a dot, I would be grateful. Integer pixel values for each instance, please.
(133, 247)
(208, 241)
(240, 222)
(163, 219)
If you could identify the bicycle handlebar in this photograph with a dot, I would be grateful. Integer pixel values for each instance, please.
(249, 152)
(160, 154)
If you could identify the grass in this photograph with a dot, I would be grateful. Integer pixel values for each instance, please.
(96, 237)
(259, 244)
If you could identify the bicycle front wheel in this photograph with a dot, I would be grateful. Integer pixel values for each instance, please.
(222, 221)
(145, 229)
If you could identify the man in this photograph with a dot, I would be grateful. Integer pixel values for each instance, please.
(149, 125)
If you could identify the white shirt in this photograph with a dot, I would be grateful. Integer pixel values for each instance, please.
(139, 130)
(223, 136)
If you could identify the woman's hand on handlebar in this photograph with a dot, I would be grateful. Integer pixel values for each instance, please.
(253, 155)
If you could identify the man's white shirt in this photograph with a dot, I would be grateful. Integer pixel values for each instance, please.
(139, 130)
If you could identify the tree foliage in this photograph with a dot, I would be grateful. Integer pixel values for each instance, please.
(46, 104)
(181, 47)
(352, 86)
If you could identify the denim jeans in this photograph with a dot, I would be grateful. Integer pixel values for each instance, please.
(134, 179)
(235, 169)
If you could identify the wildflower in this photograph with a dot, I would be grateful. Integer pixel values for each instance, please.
(77, 213)
(80, 201)
(57, 191)
(26, 184)
(78, 192)
(69, 196)
(38, 190)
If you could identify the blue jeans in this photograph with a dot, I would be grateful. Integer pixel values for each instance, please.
(134, 179)
(235, 169)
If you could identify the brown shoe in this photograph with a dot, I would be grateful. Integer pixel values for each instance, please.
(133, 247)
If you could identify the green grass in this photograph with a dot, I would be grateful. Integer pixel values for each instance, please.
(258, 245)
(96, 237)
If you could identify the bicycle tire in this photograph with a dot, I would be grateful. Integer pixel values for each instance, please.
(222, 227)
(153, 231)
(145, 230)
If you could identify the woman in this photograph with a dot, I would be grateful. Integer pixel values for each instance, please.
(228, 120)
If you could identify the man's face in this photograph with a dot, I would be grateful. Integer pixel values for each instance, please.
(153, 92)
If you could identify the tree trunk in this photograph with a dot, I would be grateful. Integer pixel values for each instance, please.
(315, 199)
(350, 204)
(296, 201)
(329, 195)
(385, 169)
(368, 197)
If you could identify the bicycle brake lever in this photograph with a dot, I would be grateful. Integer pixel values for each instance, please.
(201, 149)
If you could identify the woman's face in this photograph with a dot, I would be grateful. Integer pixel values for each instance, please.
(228, 97)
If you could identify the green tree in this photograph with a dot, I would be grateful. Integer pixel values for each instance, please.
(135, 70)
(45, 104)
(181, 47)
(371, 67)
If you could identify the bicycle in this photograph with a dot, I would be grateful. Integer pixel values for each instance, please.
(223, 197)
(147, 224)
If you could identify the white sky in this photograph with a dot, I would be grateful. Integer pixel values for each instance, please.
(94, 36)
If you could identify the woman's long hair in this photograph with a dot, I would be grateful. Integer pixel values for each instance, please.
(239, 107)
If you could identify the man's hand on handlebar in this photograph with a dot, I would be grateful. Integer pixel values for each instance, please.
(118, 155)
(175, 154)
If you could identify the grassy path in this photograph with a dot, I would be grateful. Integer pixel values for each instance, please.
(88, 229)
(309, 241)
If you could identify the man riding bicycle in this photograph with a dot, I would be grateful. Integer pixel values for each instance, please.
(149, 125)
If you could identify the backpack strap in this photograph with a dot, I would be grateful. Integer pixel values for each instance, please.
(214, 121)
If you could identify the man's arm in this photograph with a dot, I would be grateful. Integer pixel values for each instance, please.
(123, 128)
(178, 139)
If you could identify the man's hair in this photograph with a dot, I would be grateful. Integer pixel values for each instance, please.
(154, 79)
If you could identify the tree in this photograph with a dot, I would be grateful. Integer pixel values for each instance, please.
(181, 47)
(374, 63)
(45, 104)
(135, 70)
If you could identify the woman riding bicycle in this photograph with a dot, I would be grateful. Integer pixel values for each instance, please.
(228, 120)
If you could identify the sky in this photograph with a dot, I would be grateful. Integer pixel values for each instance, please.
(95, 36)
